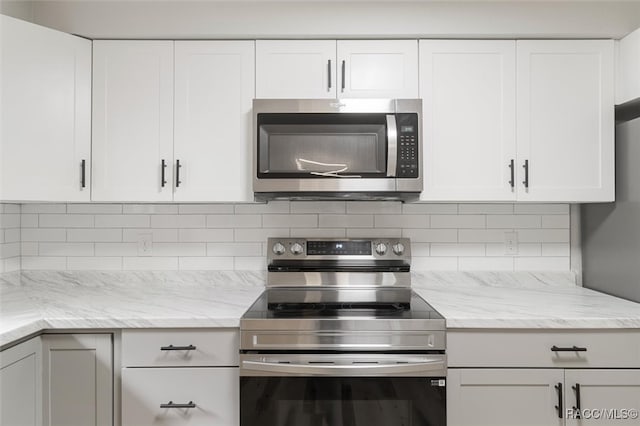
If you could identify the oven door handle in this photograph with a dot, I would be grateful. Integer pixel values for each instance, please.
(364, 369)
(392, 145)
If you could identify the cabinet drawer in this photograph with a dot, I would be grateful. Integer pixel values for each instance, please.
(179, 348)
(533, 348)
(213, 391)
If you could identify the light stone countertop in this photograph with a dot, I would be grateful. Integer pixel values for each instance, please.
(43, 300)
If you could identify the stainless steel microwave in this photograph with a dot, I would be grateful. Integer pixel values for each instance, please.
(337, 148)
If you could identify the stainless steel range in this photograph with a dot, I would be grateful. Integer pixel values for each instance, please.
(339, 338)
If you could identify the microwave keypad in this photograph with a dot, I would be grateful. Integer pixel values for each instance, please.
(408, 155)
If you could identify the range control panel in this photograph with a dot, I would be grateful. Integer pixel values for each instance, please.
(338, 248)
(408, 143)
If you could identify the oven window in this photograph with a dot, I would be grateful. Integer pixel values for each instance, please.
(342, 401)
(322, 145)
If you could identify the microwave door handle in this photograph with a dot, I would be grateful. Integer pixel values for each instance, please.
(392, 145)
(344, 370)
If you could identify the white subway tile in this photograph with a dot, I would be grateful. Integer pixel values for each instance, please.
(10, 208)
(451, 249)
(44, 208)
(345, 221)
(541, 208)
(250, 264)
(556, 249)
(150, 209)
(10, 265)
(485, 264)
(205, 235)
(2, 238)
(94, 263)
(419, 208)
(178, 221)
(95, 208)
(485, 209)
(117, 249)
(374, 232)
(319, 232)
(29, 220)
(32, 263)
(327, 207)
(234, 249)
(28, 249)
(434, 263)
(95, 234)
(11, 235)
(543, 235)
(431, 235)
(259, 234)
(179, 249)
(149, 263)
(206, 263)
(290, 220)
(10, 220)
(401, 221)
(272, 207)
(513, 221)
(523, 249)
(379, 207)
(122, 221)
(8, 250)
(66, 221)
(420, 249)
(206, 209)
(458, 221)
(556, 221)
(234, 221)
(542, 264)
(43, 234)
(482, 235)
(158, 235)
(65, 249)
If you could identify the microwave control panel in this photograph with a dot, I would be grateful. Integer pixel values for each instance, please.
(407, 145)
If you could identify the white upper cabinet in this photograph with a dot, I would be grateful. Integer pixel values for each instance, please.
(46, 113)
(565, 120)
(132, 120)
(296, 69)
(628, 68)
(214, 88)
(378, 69)
(468, 91)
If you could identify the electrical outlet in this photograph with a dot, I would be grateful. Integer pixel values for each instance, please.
(145, 244)
(510, 243)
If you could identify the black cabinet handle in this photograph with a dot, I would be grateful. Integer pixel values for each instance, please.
(163, 181)
(559, 406)
(526, 174)
(178, 348)
(554, 348)
(343, 75)
(171, 404)
(83, 177)
(329, 75)
(178, 167)
(512, 181)
(576, 408)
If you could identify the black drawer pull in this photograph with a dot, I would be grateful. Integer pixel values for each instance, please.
(163, 167)
(178, 348)
(577, 408)
(171, 404)
(83, 179)
(559, 406)
(554, 348)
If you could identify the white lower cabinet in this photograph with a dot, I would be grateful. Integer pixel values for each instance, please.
(21, 384)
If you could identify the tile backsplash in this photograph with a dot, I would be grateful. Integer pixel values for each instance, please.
(233, 236)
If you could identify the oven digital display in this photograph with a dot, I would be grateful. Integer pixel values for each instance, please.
(349, 248)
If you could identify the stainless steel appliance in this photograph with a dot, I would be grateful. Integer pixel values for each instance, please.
(337, 148)
(338, 338)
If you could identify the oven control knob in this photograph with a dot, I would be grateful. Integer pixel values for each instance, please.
(398, 249)
(297, 248)
(278, 249)
(381, 248)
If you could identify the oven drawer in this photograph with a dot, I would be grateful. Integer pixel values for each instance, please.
(180, 347)
(209, 396)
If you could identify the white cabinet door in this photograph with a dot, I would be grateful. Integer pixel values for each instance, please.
(606, 396)
(565, 120)
(214, 89)
(78, 379)
(628, 68)
(296, 69)
(21, 384)
(378, 69)
(503, 397)
(46, 118)
(468, 93)
(213, 394)
(132, 120)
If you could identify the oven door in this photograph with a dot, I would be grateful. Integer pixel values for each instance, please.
(342, 390)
